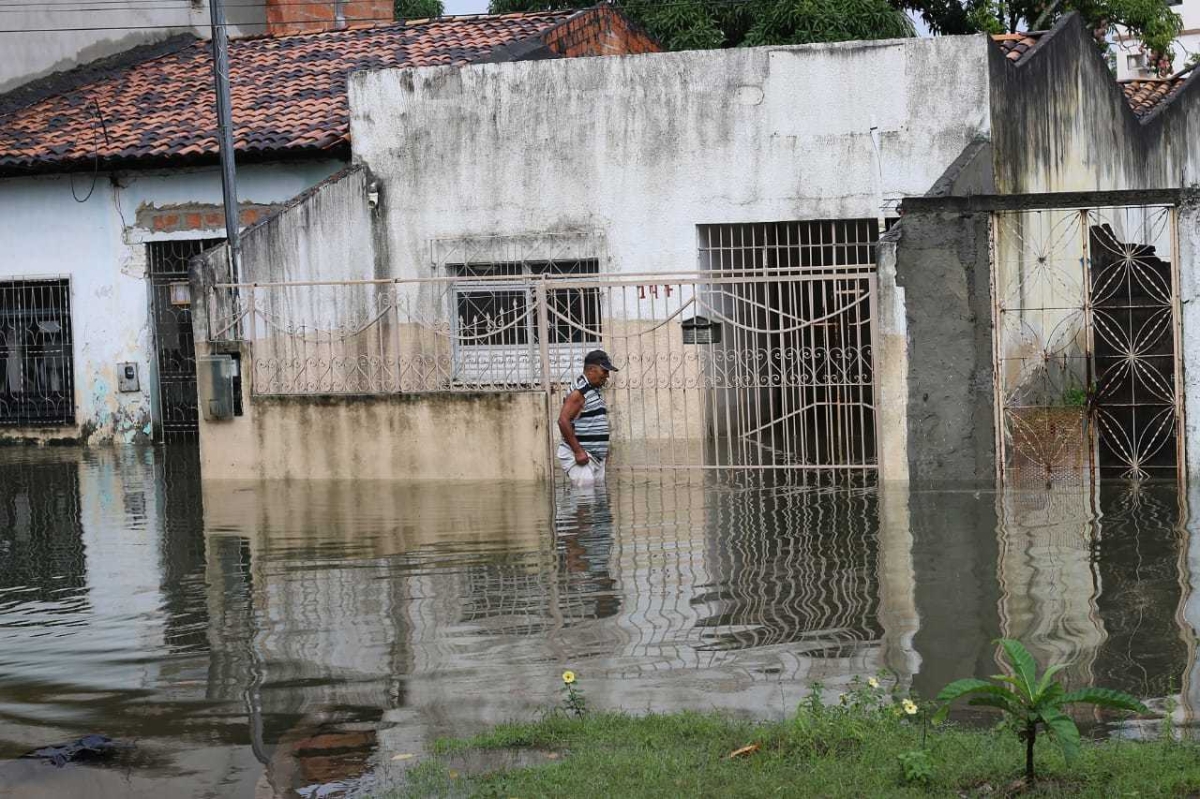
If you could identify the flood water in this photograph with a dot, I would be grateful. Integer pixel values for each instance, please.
(262, 640)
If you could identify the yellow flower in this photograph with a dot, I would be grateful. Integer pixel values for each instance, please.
(910, 707)
(874, 683)
(568, 677)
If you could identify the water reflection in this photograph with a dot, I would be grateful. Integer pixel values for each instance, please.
(258, 639)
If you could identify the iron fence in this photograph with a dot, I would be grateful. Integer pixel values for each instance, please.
(724, 368)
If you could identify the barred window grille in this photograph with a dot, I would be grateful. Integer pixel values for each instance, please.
(37, 384)
(822, 244)
(499, 312)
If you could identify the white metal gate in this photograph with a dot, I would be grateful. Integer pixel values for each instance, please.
(729, 370)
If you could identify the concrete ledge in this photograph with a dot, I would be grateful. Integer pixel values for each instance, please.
(444, 437)
(978, 203)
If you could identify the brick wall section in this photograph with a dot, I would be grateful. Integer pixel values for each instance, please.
(604, 31)
(297, 16)
(197, 217)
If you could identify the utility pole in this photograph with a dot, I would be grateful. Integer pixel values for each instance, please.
(220, 51)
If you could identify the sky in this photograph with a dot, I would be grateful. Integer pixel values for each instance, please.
(466, 6)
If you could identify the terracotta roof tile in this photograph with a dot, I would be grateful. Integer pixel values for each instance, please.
(288, 94)
(1017, 45)
(1146, 96)
(1143, 96)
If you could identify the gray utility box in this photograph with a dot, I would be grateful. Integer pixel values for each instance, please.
(127, 377)
(214, 385)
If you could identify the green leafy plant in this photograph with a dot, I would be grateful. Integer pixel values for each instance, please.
(1034, 703)
(1075, 397)
(573, 700)
(916, 766)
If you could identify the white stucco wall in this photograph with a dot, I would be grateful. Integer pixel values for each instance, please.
(1189, 295)
(644, 148)
(97, 244)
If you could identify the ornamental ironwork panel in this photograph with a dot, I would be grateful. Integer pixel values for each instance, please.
(1086, 344)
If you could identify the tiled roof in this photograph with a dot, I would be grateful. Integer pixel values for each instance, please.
(1146, 96)
(1017, 45)
(289, 95)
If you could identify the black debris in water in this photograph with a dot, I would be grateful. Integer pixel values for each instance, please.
(89, 747)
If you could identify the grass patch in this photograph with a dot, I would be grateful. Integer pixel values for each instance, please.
(828, 752)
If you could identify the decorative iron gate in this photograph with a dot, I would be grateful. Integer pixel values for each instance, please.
(1087, 344)
(175, 352)
(729, 370)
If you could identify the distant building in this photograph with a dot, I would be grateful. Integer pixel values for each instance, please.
(1133, 63)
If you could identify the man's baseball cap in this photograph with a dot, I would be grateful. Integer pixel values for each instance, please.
(599, 358)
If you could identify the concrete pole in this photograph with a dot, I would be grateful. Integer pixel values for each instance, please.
(220, 48)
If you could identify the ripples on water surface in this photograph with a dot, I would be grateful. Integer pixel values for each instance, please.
(258, 639)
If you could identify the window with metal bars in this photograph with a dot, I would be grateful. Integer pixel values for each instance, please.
(769, 246)
(37, 385)
(499, 312)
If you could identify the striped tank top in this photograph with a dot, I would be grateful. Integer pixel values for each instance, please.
(591, 425)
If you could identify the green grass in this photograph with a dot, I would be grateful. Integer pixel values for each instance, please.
(831, 752)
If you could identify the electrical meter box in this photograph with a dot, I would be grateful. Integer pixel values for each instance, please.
(127, 377)
(215, 383)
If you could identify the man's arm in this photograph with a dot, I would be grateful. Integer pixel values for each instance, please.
(566, 416)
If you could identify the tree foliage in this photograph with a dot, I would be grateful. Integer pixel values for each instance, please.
(708, 24)
(1151, 21)
(419, 9)
(703, 24)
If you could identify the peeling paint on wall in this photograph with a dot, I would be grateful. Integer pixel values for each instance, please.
(46, 233)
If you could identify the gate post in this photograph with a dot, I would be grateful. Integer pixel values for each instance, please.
(543, 334)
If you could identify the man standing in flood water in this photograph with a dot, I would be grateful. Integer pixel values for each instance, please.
(583, 423)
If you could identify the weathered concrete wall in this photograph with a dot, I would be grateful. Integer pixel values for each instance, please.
(1060, 123)
(622, 158)
(891, 363)
(1189, 295)
(103, 31)
(644, 148)
(449, 436)
(942, 267)
(323, 234)
(100, 244)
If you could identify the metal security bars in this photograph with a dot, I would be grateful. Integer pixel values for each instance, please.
(37, 383)
(802, 332)
(774, 246)
(175, 351)
(1087, 344)
(496, 326)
